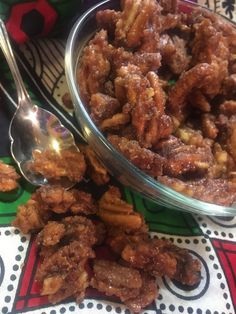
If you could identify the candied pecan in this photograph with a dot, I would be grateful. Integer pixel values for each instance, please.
(188, 269)
(146, 100)
(95, 66)
(128, 132)
(159, 95)
(143, 158)
(147, 294)
(95, 169)
(169, 21)
(199, 101)
(150, 41)
(100, 232)
(55, 198)
(84, 204)
(205, 189)
(59, 200)
(122, 81)
(174, 52)
(161, 257)
(114, 211)
(196, 77)
(8, 177)
(107, 20)
(220, 24)
(69, 229)
(148, 118)
(116, 122)
(51, 234)
(136, 290)
(63, 274)
(54, 165)
(229, 86)
(209, 128)
(223, 162)
(210, 46)
(30, 217)
(102, 107)
(81, 229)
(190, 136)
(118, 238)
(228, 107)
(35, 213)
(167, 47)
(145, 61)
(114, 279)
(184, 159)
(133, 20)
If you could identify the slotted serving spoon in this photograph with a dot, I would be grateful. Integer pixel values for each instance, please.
(32, 128)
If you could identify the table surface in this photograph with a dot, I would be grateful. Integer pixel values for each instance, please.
(212, 240)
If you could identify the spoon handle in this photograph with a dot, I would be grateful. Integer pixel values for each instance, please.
(5, 45)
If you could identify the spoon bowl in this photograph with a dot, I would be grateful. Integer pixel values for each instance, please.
(32, 127)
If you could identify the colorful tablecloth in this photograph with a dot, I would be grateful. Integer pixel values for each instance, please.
(212, 240)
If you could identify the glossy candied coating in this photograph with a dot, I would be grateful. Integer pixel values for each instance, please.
(145, 61)
(143, 158)
(190, 136)
(204, 189)
(51, 234)
(67, 230)
(197, 77)
(103, 106)
(117, 212)
(147, 294)
(46, 200)
(182, 160)
(59, 200)
(8, 177)
(209, 128)
(31, 217)
(229, 87)
(175, 53)
(132, 22)
(119, 237)
(63, 274)
(162, 258)
(136, 290)
(54, 165)
(210, 46)
(228, 107)
(95, 169)
(145, 102)
(199, 101)
(72, 228)
(107, 19)
(95, 66)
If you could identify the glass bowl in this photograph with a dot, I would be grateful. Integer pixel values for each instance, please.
(122, 169)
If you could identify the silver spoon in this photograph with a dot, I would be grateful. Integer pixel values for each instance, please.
(32, 128)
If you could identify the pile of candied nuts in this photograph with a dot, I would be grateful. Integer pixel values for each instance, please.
(71, 228)
(161, 85)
